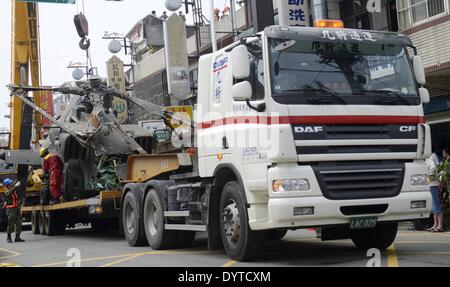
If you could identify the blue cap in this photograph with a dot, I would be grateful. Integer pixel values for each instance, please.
(7, 181)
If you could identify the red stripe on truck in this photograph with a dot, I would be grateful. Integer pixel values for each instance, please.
(312, 120)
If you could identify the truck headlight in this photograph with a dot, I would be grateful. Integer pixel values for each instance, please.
(281, 185)
(419, 180)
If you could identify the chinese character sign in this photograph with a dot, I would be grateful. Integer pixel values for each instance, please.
(293, 13)
(116, 80)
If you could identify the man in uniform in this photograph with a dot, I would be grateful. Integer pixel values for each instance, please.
(13, 210)
(53, 167)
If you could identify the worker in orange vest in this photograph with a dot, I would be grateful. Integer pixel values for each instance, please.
(13, 209)
(53, 167)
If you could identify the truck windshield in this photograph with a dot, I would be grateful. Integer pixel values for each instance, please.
(341, 72)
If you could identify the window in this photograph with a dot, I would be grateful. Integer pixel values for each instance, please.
(412, 12)
(350, 72)
(355, 15)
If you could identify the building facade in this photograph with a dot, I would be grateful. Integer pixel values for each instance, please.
(427, 23)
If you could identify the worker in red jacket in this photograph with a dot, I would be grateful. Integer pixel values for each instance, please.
(53, 167)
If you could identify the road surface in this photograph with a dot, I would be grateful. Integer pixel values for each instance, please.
(298, 248)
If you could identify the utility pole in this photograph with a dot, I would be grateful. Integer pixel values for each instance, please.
(233, 19)
(213, 28)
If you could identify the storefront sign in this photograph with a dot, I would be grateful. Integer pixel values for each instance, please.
(293, 13)
(116, 80)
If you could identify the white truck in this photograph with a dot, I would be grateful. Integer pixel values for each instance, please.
(295, 128)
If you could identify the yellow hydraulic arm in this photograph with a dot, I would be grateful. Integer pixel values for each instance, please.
(25, 64)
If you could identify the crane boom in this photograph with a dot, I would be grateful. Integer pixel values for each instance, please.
(25, 64)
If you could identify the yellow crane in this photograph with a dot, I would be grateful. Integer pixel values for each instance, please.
(25, 65)
(25, 70)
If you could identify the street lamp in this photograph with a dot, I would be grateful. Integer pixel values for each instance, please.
(78, 68)
(115, 46)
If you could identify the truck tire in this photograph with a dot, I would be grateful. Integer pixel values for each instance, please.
(61, 223)
(50, 219)
(276, 234)
(3, 226)
(35, 222)
(157, 236)
(133, 227)
(240, 242)
(3, 220)
(42, 227)
(380, 237)
(185, 239)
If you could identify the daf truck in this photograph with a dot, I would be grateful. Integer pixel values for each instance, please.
(295, 127)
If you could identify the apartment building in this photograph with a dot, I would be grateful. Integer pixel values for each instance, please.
(427, 23)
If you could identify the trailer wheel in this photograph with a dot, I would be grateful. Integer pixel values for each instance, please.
(61, 223)
(276, 234)
(381, 237)
(157, 236)
(3, 226)
(3, 220)
(50, 223)
(35, 222)
(42, 227)
(133, 228)
(240, 242)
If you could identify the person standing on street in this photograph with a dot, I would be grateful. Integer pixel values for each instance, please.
(445, 154)
(13, 210)
(433, 171)
(53, 167)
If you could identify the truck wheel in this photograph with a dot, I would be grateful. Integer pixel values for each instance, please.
(240, 242)
(157, 236)
(380, 237)
(3, 220)
(60, 224)
(50, 223)
(42, 227)
(276, 234)
(185, 239)
(35, 222)
(3, 226)
(133, 228)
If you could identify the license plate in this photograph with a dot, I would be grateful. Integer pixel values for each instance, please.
(363, 223)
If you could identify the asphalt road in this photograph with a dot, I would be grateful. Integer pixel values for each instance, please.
(298, 248)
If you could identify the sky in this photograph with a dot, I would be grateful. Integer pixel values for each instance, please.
(59, 39)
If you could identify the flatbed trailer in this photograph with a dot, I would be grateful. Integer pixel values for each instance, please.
(102, 211)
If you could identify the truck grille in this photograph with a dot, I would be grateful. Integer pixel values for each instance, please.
(356, 131)
(328, 139)
(360, 181)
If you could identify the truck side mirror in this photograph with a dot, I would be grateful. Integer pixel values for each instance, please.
(242, 91)
(419, 70)
(240, 62)
(424, 95)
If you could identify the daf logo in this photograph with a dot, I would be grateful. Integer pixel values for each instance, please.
(408, 129)
(308, 130)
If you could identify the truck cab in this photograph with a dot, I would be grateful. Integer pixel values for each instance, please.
(321, 127)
